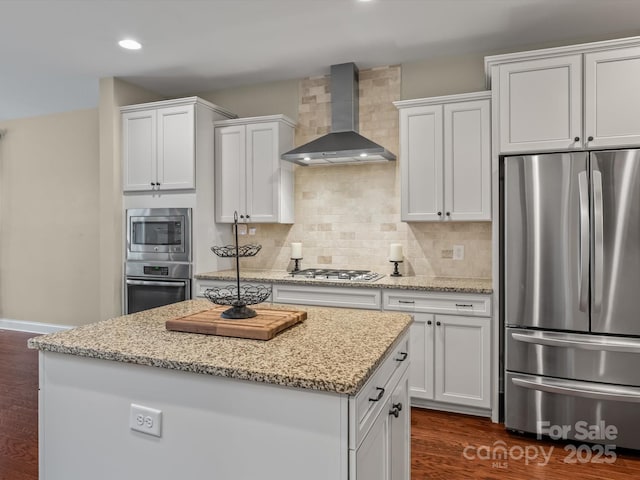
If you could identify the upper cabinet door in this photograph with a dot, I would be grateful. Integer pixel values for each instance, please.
(467, 160)
(421, 144)
(230, 148)
(176, 147)
(139, 150)
(540, 104)
(263, 172)
(612, 97)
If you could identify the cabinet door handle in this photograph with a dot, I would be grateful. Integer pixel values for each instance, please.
(439, 214)
(380, 395)
(429, 322)
(396, 408)
(590, 138)
(448, 214)
(577, 139)
(248, 216)
(153, 184)
(464, 304)
(403, 357)
(406, 301)
(438, 323)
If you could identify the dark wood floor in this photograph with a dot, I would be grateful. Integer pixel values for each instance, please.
(443, 445)
(18, 407)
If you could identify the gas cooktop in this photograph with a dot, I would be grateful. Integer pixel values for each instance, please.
(335, 274)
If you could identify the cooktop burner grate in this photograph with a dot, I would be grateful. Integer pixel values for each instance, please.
(338, 274)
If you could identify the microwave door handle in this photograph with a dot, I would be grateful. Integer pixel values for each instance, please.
(583, 283)
(598, 240)
(147, 283)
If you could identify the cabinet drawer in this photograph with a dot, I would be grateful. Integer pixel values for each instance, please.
(202, 285)
(366, 405)
(457, 304)
(347, 297)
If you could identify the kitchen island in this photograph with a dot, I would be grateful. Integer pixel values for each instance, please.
(325, 399)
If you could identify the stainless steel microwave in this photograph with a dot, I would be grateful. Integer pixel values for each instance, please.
(159, 234)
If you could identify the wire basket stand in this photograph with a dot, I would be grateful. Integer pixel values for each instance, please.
(237, 296)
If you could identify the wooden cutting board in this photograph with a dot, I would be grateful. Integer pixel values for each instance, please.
(266, 325)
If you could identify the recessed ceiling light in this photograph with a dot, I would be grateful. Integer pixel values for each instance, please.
(130, 44)
(363, 154)
(307, 159)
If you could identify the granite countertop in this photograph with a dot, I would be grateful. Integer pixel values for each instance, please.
(417, 282)
(334, 350)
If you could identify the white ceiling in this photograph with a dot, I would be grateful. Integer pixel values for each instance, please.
(52, 52)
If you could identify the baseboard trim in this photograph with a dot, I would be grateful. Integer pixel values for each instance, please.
(31, 327)
(449, 407)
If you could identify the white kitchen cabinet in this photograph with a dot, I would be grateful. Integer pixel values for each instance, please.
(541, 104)
(384, 453)
(463, 360)
(159, 143)
(450, 348)
(445, 164)
(451, 359)
(250, 177)
(612, 97)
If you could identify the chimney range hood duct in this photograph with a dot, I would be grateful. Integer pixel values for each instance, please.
(344, 144)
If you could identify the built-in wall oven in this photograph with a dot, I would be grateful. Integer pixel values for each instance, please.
(154, 284)
(158, 259)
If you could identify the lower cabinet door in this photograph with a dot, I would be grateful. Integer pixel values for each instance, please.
(399, 431)
(463, 360)
(421, 368)
(372, 457)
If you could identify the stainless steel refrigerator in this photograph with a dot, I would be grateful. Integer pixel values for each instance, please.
(571, 289)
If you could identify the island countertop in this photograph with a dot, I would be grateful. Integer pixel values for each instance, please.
(416, 282)
(334, 350)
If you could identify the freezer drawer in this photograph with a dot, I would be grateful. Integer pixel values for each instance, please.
(534, 402)
(594, 358)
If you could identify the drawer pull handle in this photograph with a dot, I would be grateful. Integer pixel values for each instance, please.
(464, 305)
(406, 301)
(380, 395)
(396, 408)
(403, 357)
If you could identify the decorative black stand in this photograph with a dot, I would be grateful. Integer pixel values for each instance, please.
(235, 295)
(296, 266)
(396, 272)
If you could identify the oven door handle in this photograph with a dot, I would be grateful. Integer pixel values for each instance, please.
(147, 283)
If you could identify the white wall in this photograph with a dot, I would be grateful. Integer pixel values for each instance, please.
(49, 188)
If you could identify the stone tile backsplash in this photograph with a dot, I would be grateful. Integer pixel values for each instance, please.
(348, 215)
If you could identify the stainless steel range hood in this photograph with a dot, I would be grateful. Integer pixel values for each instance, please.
(344, 144)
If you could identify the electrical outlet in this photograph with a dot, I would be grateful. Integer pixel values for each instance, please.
(458, 252)
(252, 231)
(146, 420)
(446, 253)
(242, 229)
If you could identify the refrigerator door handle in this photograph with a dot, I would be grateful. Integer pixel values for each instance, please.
(583, 282)
(598, 239)
(581, 389)
(582, 343)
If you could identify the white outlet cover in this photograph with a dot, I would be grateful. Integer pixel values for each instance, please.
(458, 252)
(146, 420)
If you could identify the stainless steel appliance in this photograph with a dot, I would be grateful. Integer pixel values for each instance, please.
(159, 234)
(337, 274)
(154, 284)
(571, 287)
